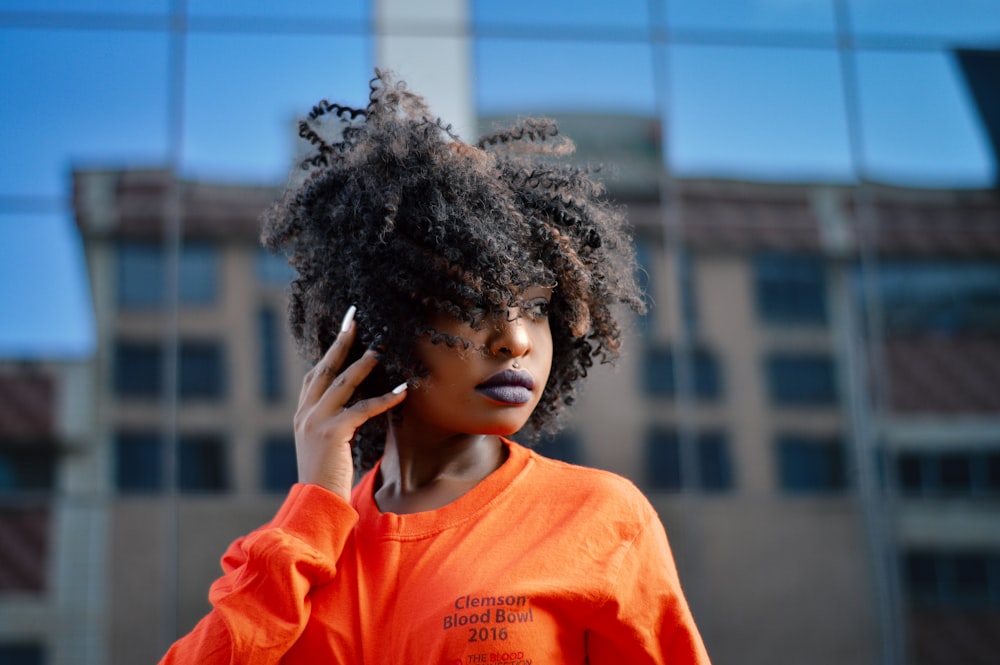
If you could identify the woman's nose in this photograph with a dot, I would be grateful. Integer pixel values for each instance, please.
(510, 336)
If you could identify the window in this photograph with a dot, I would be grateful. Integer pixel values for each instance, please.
(563, 446)
(22, 654)
(790, 288)
(659, 374)
(138, 369)
(279, 467)
(665, 469)
(967, 579)
(645, 278)
(202, 374)
(138, 462)
(141, 278)
(201, 463)
(270, 355)
(939, 296)
(198, 273)
(142, 274)
(801, 379)
(809, 465)
(953, 473)
(273, 269)
(27, 466)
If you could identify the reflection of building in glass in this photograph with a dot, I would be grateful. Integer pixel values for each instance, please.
(51, 528)
(734, 406)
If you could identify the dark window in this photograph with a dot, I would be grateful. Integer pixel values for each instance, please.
(911, 473)
(790, 288)
(663, 459)
(270, 354)
(142, 274)
(27, 466)
(659, 374)
(202, 373)
(666, 472)
(280, 471)
(646, 280)
(22, 654)
(199, 274)
(939, 296)
(563, 446)
(955, 473)
(965, 579)
(138, 370)
(807, 465)
(201, 463)
(138, 462)
(714, 466)
(956, 476)
(801, 379)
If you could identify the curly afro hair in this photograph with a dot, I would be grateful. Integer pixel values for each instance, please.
(399, 217)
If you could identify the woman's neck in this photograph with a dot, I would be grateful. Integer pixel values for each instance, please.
(416, 476)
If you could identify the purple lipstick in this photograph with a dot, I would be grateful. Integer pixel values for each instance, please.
(508, 386)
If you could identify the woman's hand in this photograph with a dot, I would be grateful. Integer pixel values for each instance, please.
(324, 424)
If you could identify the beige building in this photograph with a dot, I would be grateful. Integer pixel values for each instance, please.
(740, 406)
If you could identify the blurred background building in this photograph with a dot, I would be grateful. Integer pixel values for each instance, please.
(811, 403)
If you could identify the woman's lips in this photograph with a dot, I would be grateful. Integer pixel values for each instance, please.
(508, 386)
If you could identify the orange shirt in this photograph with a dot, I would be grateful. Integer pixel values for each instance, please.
(542, 562)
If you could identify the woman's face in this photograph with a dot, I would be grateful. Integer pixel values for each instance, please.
(493, 387)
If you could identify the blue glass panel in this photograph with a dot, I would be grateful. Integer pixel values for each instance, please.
(524, 77)
(919, 124)
(761, 113)
(88, 97)
(969, 19)
(245, 94)
(764, 16)
(560, 15)
(43, 278)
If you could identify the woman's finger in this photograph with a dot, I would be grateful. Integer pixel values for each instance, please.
(319, 378)
(339, 391)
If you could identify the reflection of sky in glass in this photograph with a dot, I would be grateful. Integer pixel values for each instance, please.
(91, 97)
(970, 19)
(349, 10)
(79, 97)
(521, 76)
(245, 94)
(88, 7)
(40, 282)
(773, 113)
(918, 124)
(749, 15)
(530, 14)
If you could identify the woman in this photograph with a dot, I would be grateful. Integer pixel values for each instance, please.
(481, 282)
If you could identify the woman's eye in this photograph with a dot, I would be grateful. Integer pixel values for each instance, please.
(537, 309)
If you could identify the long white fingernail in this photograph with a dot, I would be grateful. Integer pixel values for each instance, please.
(345, 325)
(400, 388)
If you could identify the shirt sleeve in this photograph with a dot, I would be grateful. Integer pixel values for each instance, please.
(646, 620)
(261, 604)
